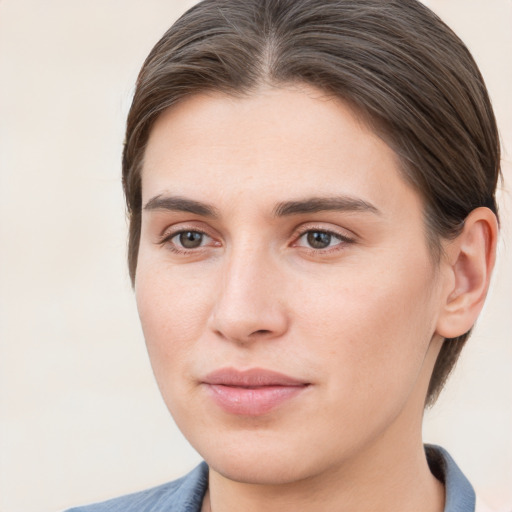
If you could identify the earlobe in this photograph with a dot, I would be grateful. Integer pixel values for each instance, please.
(471, 261)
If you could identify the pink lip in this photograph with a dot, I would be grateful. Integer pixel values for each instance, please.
(251, 392)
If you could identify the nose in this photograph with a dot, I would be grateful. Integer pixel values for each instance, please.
(249, 305)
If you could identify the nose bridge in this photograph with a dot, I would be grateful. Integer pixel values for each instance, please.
(248, 304)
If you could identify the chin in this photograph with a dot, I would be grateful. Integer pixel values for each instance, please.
(261, 458)
(258, 470)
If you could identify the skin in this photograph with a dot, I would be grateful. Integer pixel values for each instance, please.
(361, 320)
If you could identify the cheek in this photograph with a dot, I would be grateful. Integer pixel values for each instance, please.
(174, 310)
(372, 328)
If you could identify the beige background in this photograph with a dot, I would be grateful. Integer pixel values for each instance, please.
(81, 417)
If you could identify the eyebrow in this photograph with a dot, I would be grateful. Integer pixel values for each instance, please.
(321, 204)
(181, 204)
(283, 209)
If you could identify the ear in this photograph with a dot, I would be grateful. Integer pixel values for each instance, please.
(470, 261)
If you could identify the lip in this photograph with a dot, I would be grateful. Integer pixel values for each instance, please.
(251, 392)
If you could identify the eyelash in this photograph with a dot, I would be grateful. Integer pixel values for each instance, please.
(167, 238)
(343, 240)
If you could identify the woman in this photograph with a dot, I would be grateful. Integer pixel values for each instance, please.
(311, 189)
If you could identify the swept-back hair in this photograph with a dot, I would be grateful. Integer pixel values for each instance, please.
(394, 61)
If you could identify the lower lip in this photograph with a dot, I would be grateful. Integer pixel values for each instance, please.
(252, 401)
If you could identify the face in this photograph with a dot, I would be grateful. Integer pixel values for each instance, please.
(285, 288)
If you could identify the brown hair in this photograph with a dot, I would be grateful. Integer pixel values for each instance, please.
(395, 61)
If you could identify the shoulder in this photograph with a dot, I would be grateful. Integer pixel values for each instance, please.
(182, 495)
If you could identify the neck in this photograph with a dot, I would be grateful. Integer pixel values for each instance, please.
(380, 481)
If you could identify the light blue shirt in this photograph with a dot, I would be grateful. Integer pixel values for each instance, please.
(187, 493)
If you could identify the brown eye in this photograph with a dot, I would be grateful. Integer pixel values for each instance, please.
(322, 240)
(190, 239)
(319, 239)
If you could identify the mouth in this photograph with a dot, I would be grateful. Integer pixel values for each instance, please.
(251, 392)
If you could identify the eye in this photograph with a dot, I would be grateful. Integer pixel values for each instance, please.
(189, 239)
(319, 239)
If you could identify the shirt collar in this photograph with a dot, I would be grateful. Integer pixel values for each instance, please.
(460, 496)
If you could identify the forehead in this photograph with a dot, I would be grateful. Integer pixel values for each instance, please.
(273, 144)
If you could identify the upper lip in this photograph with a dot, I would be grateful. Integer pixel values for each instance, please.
(254, 377)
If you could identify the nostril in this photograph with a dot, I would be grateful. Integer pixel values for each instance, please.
(260, 332)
